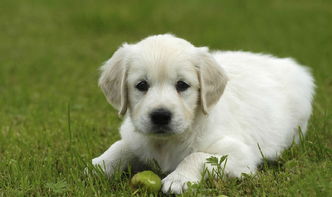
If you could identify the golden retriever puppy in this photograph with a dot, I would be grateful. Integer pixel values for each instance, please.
(183, 104)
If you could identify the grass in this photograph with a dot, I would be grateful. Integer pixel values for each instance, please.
(54, 119)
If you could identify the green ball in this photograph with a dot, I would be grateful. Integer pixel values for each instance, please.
(146, 180)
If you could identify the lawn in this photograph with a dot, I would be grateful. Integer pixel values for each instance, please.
(54, 119)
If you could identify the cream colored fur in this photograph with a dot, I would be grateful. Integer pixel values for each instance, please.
(236, 101)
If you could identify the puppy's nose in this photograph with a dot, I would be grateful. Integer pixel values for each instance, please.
(161, 116)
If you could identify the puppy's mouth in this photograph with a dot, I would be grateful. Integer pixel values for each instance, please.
(161, 131)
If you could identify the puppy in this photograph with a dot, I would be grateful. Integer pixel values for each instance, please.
(183, 104)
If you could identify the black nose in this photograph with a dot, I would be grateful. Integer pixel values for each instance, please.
(161, 116)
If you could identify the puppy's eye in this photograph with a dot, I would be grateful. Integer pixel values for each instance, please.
(142, 86)
(181, 86)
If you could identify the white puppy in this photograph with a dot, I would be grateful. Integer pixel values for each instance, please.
(183, 104)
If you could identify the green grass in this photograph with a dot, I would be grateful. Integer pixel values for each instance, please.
(54, 119)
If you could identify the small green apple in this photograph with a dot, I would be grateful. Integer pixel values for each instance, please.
(146, 180)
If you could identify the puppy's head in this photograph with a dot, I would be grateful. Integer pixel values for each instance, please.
(162, 82)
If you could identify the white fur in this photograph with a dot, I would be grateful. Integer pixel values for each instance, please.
(265, 101)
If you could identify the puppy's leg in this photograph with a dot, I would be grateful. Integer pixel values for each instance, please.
(241, 159)
(116, 157)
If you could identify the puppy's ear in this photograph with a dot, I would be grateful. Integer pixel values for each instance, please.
(212, 79)
(113, 79)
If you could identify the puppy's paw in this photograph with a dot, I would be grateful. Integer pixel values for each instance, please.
(177, 183)
(101, 166)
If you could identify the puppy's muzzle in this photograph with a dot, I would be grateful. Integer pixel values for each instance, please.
(161, 117)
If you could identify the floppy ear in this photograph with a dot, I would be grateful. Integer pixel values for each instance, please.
(212, 79)
(113, 79)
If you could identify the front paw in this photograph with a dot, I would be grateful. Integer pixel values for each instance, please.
(177, 183)
(102, 165)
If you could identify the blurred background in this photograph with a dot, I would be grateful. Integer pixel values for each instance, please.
(54, 118)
